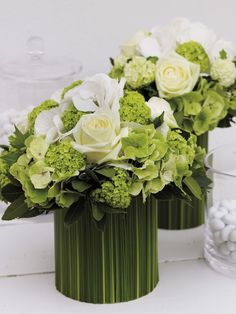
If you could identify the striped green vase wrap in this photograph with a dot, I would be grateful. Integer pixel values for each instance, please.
(176, 214)
(117, 265)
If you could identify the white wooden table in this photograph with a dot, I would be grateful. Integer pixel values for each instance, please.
(187, 284)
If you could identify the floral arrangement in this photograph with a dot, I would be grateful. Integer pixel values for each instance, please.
(94, 146)
(183, 68)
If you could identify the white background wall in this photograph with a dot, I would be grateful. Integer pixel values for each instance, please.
(91, 30)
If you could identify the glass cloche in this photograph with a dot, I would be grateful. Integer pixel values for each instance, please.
(35, 77)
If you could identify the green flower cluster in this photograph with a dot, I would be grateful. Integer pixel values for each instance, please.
(144, 143)
(201, 110)
(64, 159)
(224, 71)
(139, 72)
(115, 192)
(70, 117)
(46, 105)
(133, 108)
(194, 52)
(3, 173)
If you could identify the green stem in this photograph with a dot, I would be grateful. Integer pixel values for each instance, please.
(117, 265)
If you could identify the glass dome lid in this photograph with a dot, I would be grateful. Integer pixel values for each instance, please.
(36, 66)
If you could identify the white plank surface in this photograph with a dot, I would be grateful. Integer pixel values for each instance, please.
(189, 287)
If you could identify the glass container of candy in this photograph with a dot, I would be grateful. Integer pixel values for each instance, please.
(220, 228)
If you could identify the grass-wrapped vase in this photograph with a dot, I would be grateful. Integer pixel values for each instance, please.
(117, 265)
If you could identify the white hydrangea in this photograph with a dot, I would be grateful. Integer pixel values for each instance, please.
(224, 71)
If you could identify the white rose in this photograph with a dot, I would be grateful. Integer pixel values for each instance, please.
(98, 136)
(175, 76)
(160, 105)
(130, 47)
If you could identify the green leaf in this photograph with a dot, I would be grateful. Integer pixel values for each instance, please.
(33, 213)
(152, 59)
(112, 61)
(81, 186)
(98, 214)
(11, 157)
(92, 175)
(75, 211)
(159, 120)
(223, 54)
(17, 209)
(11, 192)
(4, 147)
(18, 139)
(106, 172)
(100, 225)
(193, 186)
(203, 181)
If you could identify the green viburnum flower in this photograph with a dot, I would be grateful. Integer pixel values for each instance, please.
(3, 173)
(139, 72)
(194, 52)
(133, 108)
(114, 193)
(40, 175)
(65, 160)
(20, 171)
(70, 117)
(179, 159)
(144, 143)
(223, 71)
(36, 147)
(71, 86)
(46, 105)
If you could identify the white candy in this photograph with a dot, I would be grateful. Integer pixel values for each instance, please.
(223, 249)
(211, 211)
(217, 224)
(226, 232)
(233, 255)
(231, 246)
(217, 237)
(225, 203)
(220, 213)
(232, 236)
(229, 219)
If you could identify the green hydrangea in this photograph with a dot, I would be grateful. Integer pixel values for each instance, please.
(3, 174)
(194, 52)
(64, 159)
(144, 143)
(139, 72)
(133, 108)
(70, 117)
(20, 171)
(114, 193)
(214, 109)
(71, 86)
(46, 105)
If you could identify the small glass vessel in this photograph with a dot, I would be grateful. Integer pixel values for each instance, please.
(28, 81)
(220, 228)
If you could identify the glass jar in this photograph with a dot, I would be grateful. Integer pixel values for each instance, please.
(29, 80)
(220, 228)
